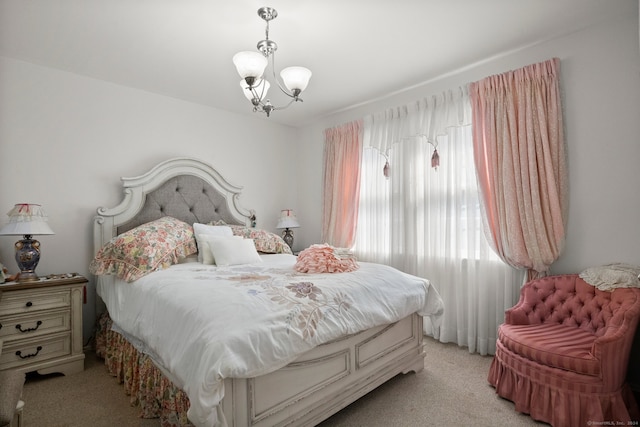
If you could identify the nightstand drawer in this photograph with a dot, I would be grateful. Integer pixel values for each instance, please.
(34, 324)
(34, 350)
(17, 303)
(41, 325)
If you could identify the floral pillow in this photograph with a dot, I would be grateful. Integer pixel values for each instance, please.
(149, 247)
(265, 241)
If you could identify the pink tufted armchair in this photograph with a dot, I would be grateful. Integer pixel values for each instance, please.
(563, 350)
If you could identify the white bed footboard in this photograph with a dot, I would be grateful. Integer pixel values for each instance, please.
(327, 378)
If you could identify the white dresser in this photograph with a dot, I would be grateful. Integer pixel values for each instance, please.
(41, 325)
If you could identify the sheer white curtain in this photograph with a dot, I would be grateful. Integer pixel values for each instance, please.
(427, 221)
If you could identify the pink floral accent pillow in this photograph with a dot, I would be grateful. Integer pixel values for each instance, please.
(265, 241)
(325, 259)
(149, 247)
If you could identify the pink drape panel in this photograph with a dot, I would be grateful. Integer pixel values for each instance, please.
(342, 153)
(520, 159)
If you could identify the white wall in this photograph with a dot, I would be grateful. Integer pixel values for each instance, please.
(600, 78)
(65, 141)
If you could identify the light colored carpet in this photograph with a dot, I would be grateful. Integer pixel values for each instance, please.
(451, 390)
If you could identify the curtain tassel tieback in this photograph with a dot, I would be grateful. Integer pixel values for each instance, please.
(435, 159)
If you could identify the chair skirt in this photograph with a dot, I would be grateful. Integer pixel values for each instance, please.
(559, 397)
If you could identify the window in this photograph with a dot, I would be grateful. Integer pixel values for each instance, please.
(427, 222)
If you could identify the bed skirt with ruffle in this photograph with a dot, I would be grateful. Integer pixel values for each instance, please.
(147, 387)
(559, 397)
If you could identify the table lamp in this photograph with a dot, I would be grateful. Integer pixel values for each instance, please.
(287, 221)
(26, 219)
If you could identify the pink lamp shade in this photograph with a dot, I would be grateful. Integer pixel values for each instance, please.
(287, 219)
(26, 218)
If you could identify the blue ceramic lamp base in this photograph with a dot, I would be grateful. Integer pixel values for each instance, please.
(27, 257)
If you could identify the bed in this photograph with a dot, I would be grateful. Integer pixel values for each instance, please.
(202, 367)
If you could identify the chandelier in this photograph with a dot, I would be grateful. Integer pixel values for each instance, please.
(251, 67)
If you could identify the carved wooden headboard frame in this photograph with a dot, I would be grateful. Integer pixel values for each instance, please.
(184, 188)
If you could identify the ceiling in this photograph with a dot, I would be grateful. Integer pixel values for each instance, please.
(358, 50)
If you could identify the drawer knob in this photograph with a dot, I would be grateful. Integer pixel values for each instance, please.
(26, 356)
(19, 327)
(29, 304)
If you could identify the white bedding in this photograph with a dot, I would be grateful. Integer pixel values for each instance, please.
(202, 323)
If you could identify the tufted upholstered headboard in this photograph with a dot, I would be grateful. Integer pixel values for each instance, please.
(185, 197)
(184, 188)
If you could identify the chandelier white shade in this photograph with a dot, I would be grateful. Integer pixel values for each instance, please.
(259, 90)
(296, 78)
(250, 64)
(251, 67)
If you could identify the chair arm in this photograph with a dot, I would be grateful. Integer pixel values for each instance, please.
(612, 350)
(520, 314)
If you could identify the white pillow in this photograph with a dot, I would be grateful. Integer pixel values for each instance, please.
(234, 251)
(204, 247)
(214, 230)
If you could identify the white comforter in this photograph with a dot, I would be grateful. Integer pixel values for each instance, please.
(202, 323)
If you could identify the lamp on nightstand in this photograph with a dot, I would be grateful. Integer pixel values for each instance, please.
(26, 219)
(287, 221)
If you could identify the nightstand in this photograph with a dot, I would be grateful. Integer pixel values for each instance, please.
(41, 325)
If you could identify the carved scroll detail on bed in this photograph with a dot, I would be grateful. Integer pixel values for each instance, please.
(185, 188)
